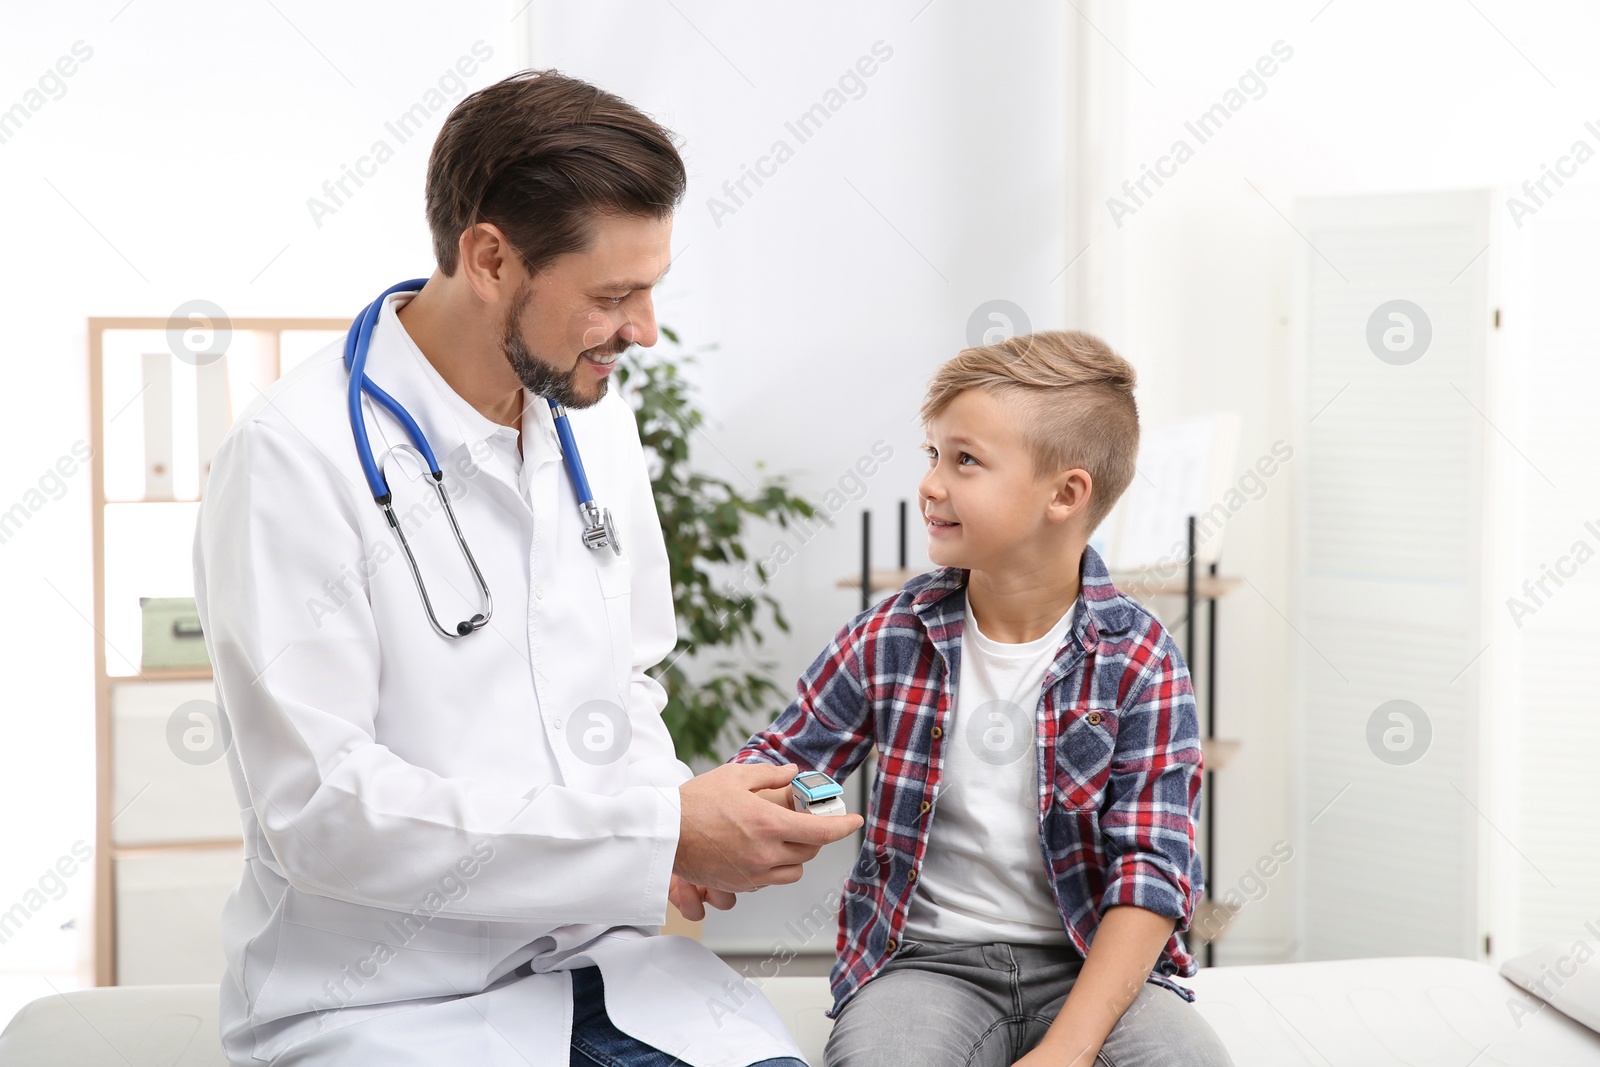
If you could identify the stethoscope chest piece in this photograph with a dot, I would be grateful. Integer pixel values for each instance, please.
(598, 532)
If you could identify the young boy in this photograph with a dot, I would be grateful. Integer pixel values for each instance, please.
(1029, 852)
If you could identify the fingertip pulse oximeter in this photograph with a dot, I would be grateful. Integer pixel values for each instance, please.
(816, 793)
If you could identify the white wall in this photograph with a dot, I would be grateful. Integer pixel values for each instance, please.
(1377, 97)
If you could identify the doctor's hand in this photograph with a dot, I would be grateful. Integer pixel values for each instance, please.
(691, 899)
(733, 839)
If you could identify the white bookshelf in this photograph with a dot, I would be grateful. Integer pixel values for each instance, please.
(167, 836)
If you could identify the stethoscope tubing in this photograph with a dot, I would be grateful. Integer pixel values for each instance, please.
(598, 529)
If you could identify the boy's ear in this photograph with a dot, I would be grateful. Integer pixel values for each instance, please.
(1073, 490)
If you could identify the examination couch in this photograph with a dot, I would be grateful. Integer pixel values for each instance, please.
(1421, 1011)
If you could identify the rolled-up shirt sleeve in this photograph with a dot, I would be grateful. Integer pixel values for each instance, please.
(1152, 797)
(828, 726)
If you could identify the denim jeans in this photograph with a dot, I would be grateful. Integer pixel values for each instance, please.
(597, 1043)
(946, 1005)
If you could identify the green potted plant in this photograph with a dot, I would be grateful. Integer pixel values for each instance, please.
(704, 521)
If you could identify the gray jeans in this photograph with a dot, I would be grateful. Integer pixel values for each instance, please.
(944, 1005)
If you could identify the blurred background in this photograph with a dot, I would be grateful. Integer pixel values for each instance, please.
(1349, 246)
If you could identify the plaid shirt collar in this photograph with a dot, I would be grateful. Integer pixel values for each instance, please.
(1100, 610)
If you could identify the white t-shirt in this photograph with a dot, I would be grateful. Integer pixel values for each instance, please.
(983, 877)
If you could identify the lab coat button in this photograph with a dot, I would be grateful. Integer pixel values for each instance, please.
(539, 593)
(557, 724)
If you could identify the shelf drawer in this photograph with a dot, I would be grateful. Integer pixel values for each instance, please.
(169, 777)
(169, 913)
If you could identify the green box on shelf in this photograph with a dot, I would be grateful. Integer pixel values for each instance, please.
(172, 638)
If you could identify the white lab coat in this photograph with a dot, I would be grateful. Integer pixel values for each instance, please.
(422, 816)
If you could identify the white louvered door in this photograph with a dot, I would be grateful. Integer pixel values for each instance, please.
(1392, 535)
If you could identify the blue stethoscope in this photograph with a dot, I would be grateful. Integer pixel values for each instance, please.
(598, 532)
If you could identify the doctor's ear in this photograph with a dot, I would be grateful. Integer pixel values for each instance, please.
(489, 262)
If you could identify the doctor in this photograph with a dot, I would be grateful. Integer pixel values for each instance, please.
(458, 849)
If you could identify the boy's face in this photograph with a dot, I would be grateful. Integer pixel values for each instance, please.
(981, 482)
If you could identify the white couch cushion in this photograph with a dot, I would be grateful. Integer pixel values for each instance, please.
(1567, 977)
(114, 1026)
(1349, 1013)
(1421, 1011)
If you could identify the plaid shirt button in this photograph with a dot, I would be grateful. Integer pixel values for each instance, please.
(1094, 718)
(936, 733)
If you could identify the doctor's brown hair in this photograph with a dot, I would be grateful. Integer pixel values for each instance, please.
(540, 154)
(1075, 396)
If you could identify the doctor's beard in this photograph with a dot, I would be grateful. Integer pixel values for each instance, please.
(538, 376)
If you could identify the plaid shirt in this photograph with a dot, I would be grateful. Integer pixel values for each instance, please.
(1118, 749)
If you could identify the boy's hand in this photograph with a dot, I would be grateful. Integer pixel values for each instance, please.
(784, 798)
(1044, 1057)
(691, 899)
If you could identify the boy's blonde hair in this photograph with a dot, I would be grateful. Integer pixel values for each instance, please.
(1077, 395)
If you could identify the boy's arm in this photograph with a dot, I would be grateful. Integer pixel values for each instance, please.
(1126, 945)
(1148, 823)
(828, 726)
(1151, 808)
